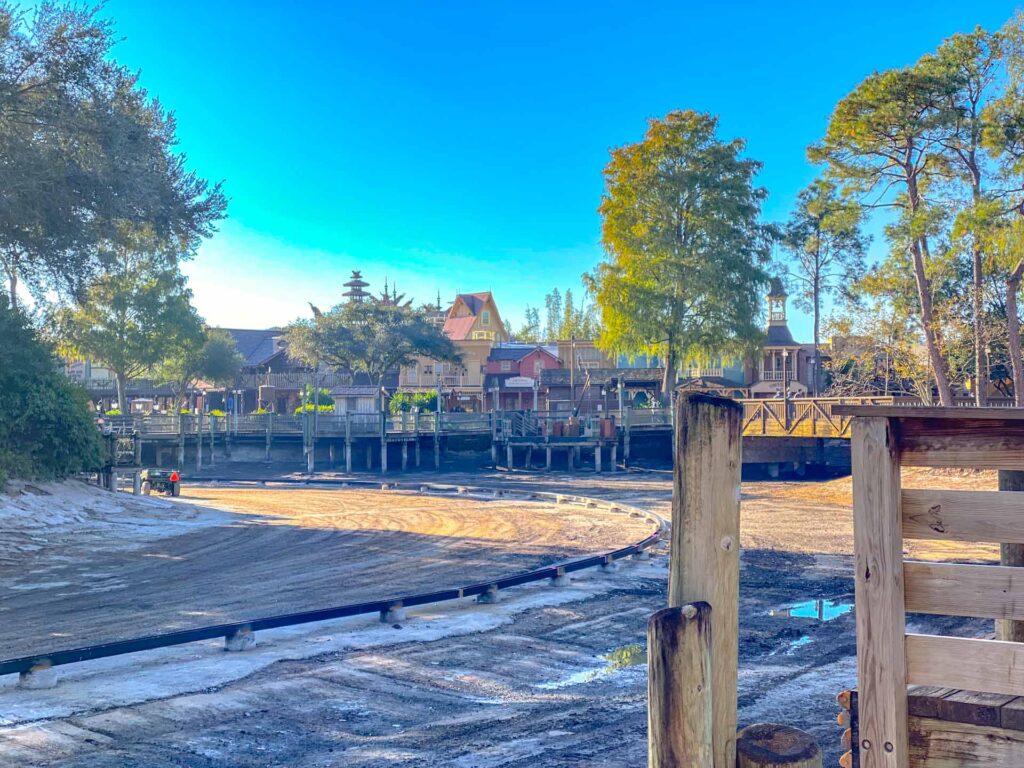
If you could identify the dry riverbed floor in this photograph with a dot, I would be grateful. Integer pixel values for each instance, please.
(549, 677)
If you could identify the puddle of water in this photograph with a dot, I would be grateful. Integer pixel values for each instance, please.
(793, 646)
(822, 610)
(631, 655)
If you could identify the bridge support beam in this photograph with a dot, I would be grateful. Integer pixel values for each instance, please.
(615, 450)
(417, 451)
(405, 455)
(597, 457)
(437, 451)
(547, 459)
(508, 449)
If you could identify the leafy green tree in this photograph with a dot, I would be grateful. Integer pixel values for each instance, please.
(86, 151)
(210, 356)
(826, 249)
(372, 337)
(884, 142)
(682, 276)
(130, 319)
(403, 402)
(46, 430)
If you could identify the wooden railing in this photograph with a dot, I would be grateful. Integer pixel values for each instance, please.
(801, 417)
(888, 586)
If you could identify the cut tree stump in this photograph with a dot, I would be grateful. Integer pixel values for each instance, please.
(768, 745)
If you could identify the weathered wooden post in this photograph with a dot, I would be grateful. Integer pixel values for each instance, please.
(1012, 555)
(213, 430)
(270, 433)
(705, 564)
(383, 442)
(199, 441)
(679, 689)
(776, 746)
(437, 437)
(348, 443)
(181, 439)
(625, 436)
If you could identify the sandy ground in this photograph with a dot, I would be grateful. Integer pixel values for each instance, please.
(551, 678)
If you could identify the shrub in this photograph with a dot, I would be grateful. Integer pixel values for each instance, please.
(113, 412)
(46, 430)
(309, 408)
(403, 402)
(217, 412)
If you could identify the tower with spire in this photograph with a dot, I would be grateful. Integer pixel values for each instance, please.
(356, 288)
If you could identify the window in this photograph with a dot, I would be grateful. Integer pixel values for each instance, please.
(485, 317)
(538, 366)
(428, 370)
(484, 335)
(412, 374)
(506, 365)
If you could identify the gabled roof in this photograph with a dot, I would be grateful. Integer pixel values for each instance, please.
(516, 352)
(459, 328)
(354, 390)
(255, 346)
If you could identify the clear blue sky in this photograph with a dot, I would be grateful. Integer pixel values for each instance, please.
(458, 146)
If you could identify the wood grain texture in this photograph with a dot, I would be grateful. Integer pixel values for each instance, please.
(942, 744)
(1011, 553)
(679, 690)
(705, 541)
(965, 442)
(993, 666)
(954, 589)
(878, 557)
(769, 745)
(993, 516)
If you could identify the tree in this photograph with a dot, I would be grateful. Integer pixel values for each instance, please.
(373, 337)
(46, 430)
(130, 319)
(826, 248)
(209, 356)
(531, 330)
(682, 275)
(86, 152)
(884, 142)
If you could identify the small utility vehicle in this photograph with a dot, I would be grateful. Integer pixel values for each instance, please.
(161, 480)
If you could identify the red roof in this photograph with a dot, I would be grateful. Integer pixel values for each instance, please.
(459, 328)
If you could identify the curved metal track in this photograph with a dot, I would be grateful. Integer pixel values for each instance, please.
(167, 639)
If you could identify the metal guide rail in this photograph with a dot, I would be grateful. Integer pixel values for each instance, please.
(164, 640)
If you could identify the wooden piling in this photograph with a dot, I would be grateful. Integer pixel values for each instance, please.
(768, 745)
(1012, 555)
(199, 441)
(679, 688)
(705, 540)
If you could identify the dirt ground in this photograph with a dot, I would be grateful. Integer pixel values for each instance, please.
(553, 680)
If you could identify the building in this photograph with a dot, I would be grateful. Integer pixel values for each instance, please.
(512, 379)
(596, 390)
(783, 364)
(474, 324)
(354, 398)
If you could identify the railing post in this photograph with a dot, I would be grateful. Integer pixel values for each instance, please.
(706, 543)
(348, 442)
(181, 439)
(199, 441)
(213, 430)
(270, 432)
(680, 692)
(1012, 555)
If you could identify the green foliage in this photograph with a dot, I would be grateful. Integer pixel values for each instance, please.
(564, 319)
(208, 355)
(310, 407)
(86, 151)
(112, 412)
(131, 318)
(370, 337)
(217, 413)
(403, 402)
(682, 276)
(46, 430)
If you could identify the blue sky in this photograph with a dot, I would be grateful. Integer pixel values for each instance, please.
(458, 146)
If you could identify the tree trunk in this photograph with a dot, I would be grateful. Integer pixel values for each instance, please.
(924, 295)
(12, 282)
(668, 381)
(1013, 331)
(980, 371)
(122, 386)
(816, 382)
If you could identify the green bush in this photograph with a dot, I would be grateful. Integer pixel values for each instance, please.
(403, 402)
(46, 430)
(309, 408)
(218, 413)
(113, 412)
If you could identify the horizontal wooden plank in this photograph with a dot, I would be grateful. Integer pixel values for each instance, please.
(935, 743)
(928, 412)
(995, 516)
(992, 666)
(955, 589)
(976, 443)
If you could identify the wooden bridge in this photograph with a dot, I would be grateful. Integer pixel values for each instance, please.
(798, 417)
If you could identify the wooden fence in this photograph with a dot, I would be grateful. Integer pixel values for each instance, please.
(888, 587)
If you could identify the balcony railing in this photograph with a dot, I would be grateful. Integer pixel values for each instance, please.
(776, 375)
(696, 373)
